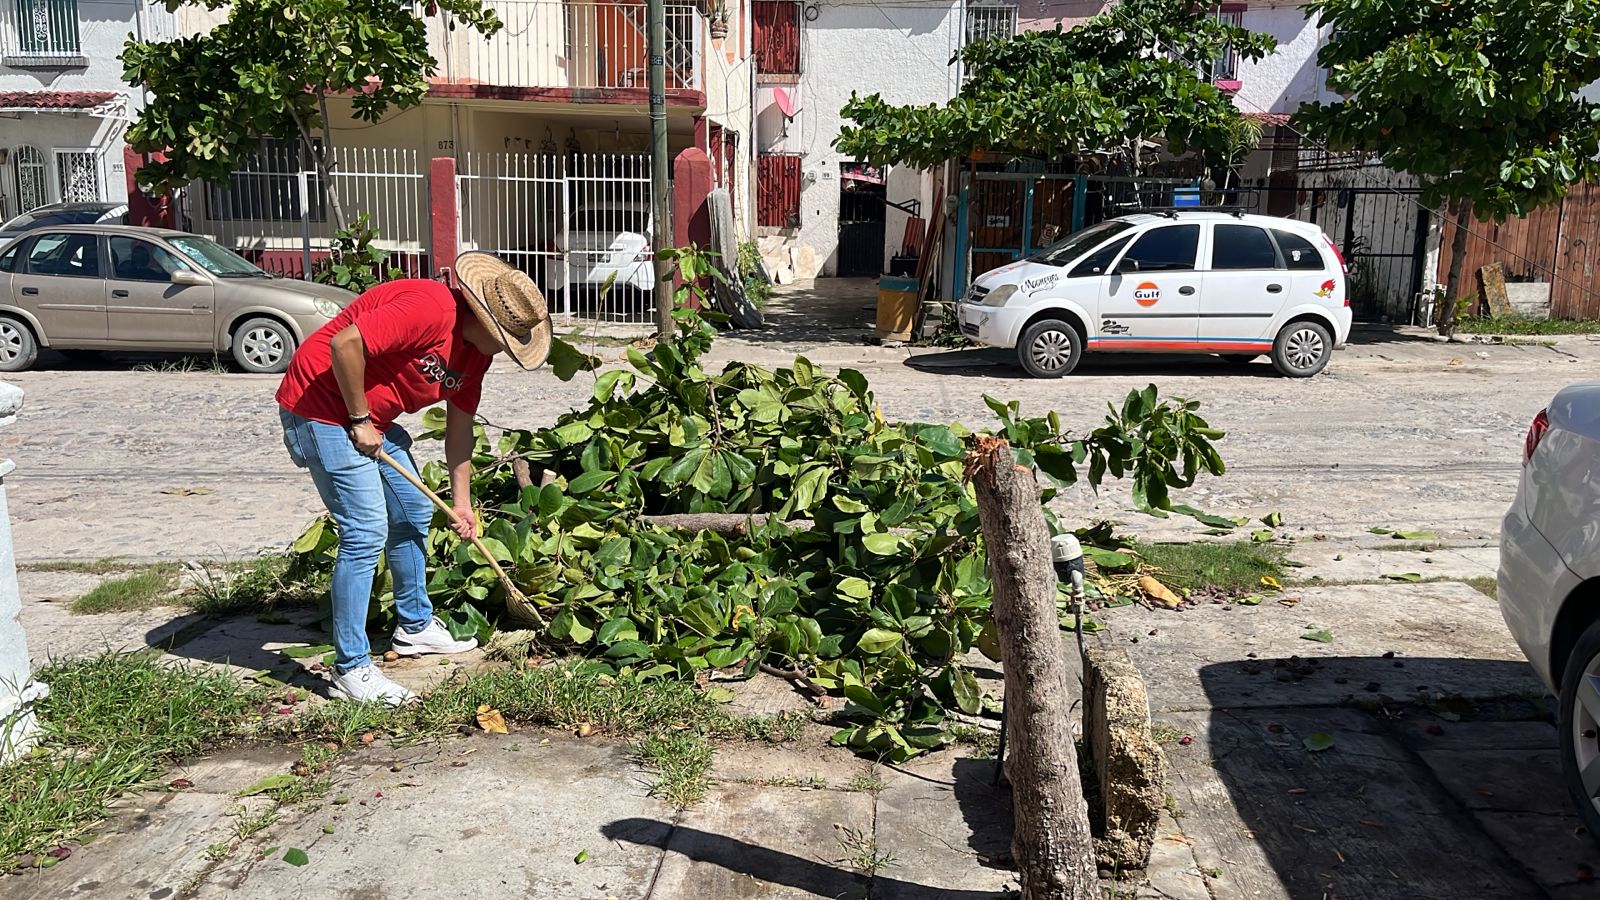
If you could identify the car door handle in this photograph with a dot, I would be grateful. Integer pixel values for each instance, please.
(31, 292)
(1186, 290)
(1274, 288)
(119, 293)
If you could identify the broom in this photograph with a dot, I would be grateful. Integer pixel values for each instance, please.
(518, 606)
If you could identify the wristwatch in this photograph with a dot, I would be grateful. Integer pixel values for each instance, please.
(360, 420)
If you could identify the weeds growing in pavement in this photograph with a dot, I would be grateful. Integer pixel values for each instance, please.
(866, 782)
(112, 723)
(681, 760)
(110, 565)
(261, 584)
(860, 848)
(1225, 568)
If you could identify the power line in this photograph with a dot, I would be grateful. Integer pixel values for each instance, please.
(1288, 123)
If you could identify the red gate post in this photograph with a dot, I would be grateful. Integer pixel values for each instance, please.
(691, 214)
(444, 212)
(143, 209)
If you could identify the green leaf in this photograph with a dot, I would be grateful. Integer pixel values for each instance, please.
(294, 856)
(864, 697)
(618, 629)
(1410, 577)
(305, 652)
(1317, 741)
(1320, 635)
(883, 543)
(1272, 519)
(588, 481)
(1263, 536)
(855, 588)
(720, 695)
(969, 697)
(581, 858)
(1376, 529)
(310, 538)
(270, 783)
(1110, 560)
(878, 640)
(566, 360)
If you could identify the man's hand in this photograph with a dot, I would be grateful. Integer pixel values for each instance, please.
(466, 524)
(366, 439)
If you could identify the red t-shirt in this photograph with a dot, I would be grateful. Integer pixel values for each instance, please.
(416, 356)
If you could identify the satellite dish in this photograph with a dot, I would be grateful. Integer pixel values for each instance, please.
(785, 105)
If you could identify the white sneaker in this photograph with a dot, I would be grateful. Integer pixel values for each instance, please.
(433, 639)
(368, 685)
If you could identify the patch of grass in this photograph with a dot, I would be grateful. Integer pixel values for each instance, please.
(1485, 585)
(985, 744)
(779, 729)
(112, 723)
(258, 585)
(1228, 568)
(866, 782)
(246, 823)
(1521, 325)
(860, 848)
(1165, 734)
(148, 587)
(107, 566)
(681, 760)
(184, 364)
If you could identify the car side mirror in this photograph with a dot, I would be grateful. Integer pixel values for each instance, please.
(1126, 266)
(187, 278)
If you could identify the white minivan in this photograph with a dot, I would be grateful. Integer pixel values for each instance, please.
(1176, 282)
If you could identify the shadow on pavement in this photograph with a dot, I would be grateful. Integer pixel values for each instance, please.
(773, 866)
(988, 362)
(1418, 786)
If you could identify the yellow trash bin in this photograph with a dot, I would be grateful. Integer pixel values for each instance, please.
(897, 308)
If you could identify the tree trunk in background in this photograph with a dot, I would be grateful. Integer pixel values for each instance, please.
(1052, 845)
(1458, 255)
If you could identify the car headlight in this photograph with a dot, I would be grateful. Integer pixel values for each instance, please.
(999, 295)
(326, 308)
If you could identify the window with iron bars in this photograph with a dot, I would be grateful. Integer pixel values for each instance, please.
(990, 20)
(777, 36)
(266, 188)
(78, 176)
(1226, 66)
(46, 28)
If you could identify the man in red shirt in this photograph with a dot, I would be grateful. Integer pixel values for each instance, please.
(398, 348)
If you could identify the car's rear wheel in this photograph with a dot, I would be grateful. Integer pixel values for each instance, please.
(1050, 348)
(263, 345)
(18, 349)
(1302, 349)
(1578, 730)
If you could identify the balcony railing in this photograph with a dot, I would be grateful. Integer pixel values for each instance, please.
(579, 45)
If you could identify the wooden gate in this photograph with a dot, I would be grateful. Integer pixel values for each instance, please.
(1559, 244)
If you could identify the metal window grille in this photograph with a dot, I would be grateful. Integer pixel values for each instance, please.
(30, 172)
(777, 36)
(986, 22)
(78, 176)
(1226, 66)
(45, 28)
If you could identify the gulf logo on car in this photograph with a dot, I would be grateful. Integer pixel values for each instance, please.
(1147, 294)
(1326, 289)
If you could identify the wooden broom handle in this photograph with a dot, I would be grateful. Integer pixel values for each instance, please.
(493, 564)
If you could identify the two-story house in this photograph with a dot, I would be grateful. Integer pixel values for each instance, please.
(63, 104)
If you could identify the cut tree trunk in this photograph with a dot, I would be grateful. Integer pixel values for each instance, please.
(1458, 258)
(1052, 845)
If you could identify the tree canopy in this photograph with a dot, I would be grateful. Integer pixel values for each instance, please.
(1127, 74)
(1477, 98)
(266, 70)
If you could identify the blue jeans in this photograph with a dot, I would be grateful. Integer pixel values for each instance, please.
(377, 511)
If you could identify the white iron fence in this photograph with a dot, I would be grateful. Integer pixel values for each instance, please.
(579, 225)
(569, 45)
(275, 211)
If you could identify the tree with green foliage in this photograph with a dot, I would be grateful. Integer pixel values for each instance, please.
(1479, 99)
(1126, 76)
(266, 71)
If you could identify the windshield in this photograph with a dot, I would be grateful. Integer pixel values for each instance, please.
(46, 216)
(215, 258)
(1075, 245)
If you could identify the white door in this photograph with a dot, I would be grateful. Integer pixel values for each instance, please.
(1152, 296)
(1245, 286)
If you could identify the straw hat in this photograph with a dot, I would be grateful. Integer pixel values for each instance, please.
(509, 304)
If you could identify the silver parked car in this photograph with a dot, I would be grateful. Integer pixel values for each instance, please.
(1549, 583)
(114, 287)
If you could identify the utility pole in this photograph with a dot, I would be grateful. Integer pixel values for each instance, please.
(661, 209)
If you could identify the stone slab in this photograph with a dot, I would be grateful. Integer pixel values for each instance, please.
(1340, 562)
(948, 827)
(1128, 765)
(740, 844)
(56, 632)
(492, 828)
(806, 765)
(1445, 637)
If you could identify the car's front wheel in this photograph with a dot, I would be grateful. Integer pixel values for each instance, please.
(1050, 348)
(1578, 730)
(1302, 349)
(263, 346)
(18, 349)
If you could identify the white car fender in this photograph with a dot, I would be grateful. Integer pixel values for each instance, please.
(1322, 313)
(1065, 308)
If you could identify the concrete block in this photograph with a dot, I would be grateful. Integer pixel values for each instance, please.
(1128, 763)
(1529, 299)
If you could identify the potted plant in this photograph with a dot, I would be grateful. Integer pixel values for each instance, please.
(719, 20)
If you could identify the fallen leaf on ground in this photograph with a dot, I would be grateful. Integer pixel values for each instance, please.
(294, 856)
(1408, 577)
(269, 783)
(720, 695)
(582, 857)
(1378, 529)
(1272, 519)
(1318, 741)
(586, 729)
(490, 720)
(1158, 592)
(1269, 582)
(1249, 600)
(180, 784)
(303, 652)
(1321, 636)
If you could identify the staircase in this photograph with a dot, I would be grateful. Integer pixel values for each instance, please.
(680, 40)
